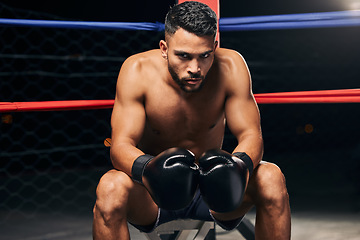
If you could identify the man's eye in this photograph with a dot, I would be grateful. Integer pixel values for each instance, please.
(206, 55)
(184, 55)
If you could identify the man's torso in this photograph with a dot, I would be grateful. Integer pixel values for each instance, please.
(194, 121)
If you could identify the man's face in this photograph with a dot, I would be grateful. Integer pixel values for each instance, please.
(189, 58)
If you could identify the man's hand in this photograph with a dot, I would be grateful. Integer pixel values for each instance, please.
(171, 177)
(223, 180)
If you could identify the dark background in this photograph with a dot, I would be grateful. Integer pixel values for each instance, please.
(321, 166)
(151, 11)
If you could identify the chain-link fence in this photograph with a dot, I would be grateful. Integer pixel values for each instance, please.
(52, 161)
(316, 145)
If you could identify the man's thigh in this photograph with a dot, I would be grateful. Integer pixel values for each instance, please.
(140, 208)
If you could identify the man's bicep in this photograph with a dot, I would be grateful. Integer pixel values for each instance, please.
(242, 113)
(128, 117)
(127, 122)
(242, 116)
(127, 128)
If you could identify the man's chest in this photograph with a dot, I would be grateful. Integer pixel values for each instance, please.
(187, 117)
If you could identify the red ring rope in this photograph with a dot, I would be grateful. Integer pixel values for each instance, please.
(55, 105)
(324, 96)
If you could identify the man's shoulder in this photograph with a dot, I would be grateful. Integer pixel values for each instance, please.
(232, 68)
(138, 67)
(229, 60)
(142, 58)
(225, 54)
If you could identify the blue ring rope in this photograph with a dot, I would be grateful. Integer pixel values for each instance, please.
(292, 21)
(83, 25)
(271, 22)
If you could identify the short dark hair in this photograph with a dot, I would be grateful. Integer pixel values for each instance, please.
(194, 17)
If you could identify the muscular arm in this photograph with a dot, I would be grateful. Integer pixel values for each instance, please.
(128, 117)
(242, 114)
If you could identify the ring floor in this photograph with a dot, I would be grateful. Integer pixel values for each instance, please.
(305, 225)
(325, 205)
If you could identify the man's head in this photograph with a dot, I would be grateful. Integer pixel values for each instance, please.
(194, 17)
(189, 46)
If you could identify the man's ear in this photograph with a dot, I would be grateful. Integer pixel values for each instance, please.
(216, 44)
(163, 48)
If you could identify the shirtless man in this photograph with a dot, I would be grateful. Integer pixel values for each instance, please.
(168, 124)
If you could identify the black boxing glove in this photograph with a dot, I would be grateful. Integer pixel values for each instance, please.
(171, 177)
(223, 179)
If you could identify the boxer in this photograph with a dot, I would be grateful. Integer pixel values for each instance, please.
(168, 122)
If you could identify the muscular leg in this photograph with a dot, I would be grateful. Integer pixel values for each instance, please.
(267, 191)
(119, 199)
(273, 220)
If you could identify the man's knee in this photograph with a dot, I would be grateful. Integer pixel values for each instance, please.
(112, 195)
(270, 185)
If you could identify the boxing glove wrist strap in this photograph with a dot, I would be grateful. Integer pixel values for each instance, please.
(247, 160)
(138, 167)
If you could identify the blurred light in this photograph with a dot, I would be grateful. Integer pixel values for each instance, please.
(7, 119)
(354, 5)
(309, 128)
(107, 142)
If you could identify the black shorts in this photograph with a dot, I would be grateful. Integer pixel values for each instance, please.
(197, 210)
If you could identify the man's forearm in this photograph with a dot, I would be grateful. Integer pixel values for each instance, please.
(253, 146)
(123, 156)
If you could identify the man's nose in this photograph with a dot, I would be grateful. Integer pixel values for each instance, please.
(194, 67)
